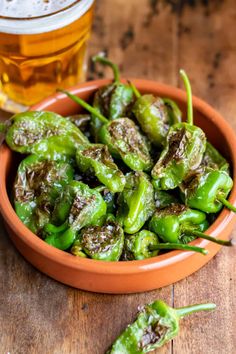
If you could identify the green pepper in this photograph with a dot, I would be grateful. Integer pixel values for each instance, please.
(207, 190)
(174, 112)
(95, 158)
(103, 242)
(122, 137)
(155, 116)
(37, 185)
(77, 207)
(155, 325)
(213, 159)
(179, 224)
(137, 246)
(125, 141)
(185, 146)
(145, 244)
(46, 134)
(136, 202)
(113, 100)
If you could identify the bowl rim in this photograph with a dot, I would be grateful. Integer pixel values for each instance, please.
(122, 267)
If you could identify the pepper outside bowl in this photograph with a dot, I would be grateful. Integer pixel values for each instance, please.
(120, 277)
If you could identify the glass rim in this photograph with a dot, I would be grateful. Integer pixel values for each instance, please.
(8, 18)
(45, 23)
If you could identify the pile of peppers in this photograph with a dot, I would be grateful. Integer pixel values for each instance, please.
(127, 179)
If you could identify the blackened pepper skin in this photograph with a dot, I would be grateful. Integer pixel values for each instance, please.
(183, 152)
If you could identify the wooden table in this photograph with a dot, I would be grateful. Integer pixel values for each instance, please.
(152, 40)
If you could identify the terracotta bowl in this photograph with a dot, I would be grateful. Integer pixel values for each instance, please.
(119, 277)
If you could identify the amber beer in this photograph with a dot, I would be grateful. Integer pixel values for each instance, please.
(42, 47)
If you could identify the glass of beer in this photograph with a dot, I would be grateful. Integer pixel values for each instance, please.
(42, 47)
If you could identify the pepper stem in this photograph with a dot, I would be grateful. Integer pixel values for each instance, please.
(104, 61)
(135, 90)
(189, 96)
(226, 203)
(85, 105)
(188, 310)
(2, 128)
(178, 246)
(207, 237)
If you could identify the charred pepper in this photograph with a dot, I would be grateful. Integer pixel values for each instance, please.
(145, 244)
(155, 115)
(213, 159)
(207, 190)
(103, 243)
(185, 146)
(156, 324)
(122, 137)
(46, 134)
(136, 203)
(179, 224)
(78, 206)
(95, 158)
(137, 246)
(37, 185)
(113, 100)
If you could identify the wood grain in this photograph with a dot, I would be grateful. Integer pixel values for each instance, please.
(148, 39)
(206, 52)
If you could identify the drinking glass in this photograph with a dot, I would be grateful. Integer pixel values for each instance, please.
(42, 47)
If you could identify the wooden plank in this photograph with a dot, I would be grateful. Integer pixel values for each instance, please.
(40, 315)
(207, 52)
(141, 38)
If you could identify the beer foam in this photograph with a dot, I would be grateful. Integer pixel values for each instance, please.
(62, 13)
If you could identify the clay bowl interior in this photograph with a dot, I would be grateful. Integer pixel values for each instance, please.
(119, 277)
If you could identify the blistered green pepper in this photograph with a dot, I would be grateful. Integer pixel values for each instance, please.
(145, 244)
(125, 141)
(155, 116)
(113, 100)
(137, 246)
(122, 137)
(180, 224)
(213, 159)
(96, 159)
(174, 112)
(46, 134)
(156, 324)
(78, 206)
(185, 146)
(207, 190)
(136, 202)
(103, 243)
(37, 185)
